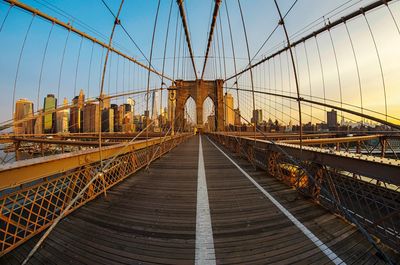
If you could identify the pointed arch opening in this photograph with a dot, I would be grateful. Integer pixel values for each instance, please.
(209, 114)
(190, 115)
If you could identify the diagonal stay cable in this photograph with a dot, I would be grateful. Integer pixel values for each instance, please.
(130, 37)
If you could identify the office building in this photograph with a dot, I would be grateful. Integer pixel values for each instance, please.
(331, 117)
(23, 111)
(237, 118)
(91, 117)
(107, 120)
(63, 118)
(229, 111)
(117, 122)
(49, 119)
(257, 117)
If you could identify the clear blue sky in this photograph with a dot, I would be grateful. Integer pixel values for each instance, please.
(138, 18)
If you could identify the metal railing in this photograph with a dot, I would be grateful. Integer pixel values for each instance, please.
(366, 187)
(33, 195)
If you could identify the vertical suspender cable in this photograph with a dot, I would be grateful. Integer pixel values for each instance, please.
(282, 22)
(62, 63)
(251, 71)
(77, 65)
(90, 70)
(357, 68)
(148, 77)
(42, 66)
(116, 22)
(233, 53)
(165, 52)
(380, 64)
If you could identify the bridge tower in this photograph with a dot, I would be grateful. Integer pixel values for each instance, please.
(199, 90)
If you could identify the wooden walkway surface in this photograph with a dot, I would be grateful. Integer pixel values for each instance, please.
(150, 218)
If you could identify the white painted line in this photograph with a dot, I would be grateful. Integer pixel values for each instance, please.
(324, 248)
(205, 252)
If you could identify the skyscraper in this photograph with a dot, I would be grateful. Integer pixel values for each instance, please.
(117, 122)
(76, 113)
(23, 110)
(229, 112)
(62, 118)
(49, 119)
(257, 117)
(107, 120)
(237, 118)
(91, 117)
(331, 117)
(81, 99)
(39, 123)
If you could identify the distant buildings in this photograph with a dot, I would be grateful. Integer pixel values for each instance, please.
(237, 117)
(229, 111)
(331, 117)
(91, 112)
(257, 118)
(49, 119)
(63, 118)
(23, 110)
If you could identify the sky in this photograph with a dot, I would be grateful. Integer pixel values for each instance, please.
(71, 63)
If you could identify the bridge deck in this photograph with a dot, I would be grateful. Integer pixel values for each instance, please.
(151, 218)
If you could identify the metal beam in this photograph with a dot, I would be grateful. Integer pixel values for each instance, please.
(334, 140)
(25, 171)
(186, 28)
(83, 34)
(328, 26)
(210, 36)
(382, 169)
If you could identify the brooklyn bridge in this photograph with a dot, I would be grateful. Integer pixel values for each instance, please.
(200, 132)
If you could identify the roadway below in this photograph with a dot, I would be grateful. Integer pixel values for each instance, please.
(200, 205)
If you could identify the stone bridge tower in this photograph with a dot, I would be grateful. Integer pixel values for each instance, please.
(199, 90)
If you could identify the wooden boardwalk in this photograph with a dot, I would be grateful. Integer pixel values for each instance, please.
(150, 218)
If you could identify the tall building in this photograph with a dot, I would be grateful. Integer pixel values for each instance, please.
(127, 118)
(229, 112)
(107, 120)
(237, 118)
(75, 117)
(81, 99)
(106, 102)
(39, 123)
(62, 118)
(49, 119)
(257, 117)
(211, 123)
(91, 117)
(117, 122)
(331, 119)
(23, 110)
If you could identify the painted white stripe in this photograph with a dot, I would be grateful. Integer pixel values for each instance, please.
(324, 248)
(205, 252)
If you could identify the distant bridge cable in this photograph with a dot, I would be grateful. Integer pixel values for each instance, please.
(42, 66)
(187, 33)
(233, 51)
(19, 62)
(282, 22)
(210, 36)
(251, 72)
